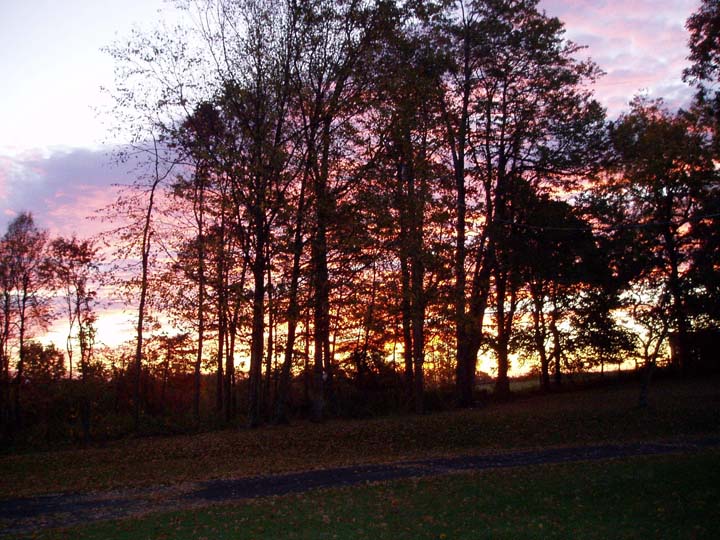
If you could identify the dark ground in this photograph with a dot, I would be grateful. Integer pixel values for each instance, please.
(27, 515)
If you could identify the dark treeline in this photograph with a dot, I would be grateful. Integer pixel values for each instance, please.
(344, 203)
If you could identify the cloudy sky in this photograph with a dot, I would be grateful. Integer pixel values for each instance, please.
(53, 160)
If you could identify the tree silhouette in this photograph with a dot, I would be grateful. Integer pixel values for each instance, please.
(25, 244)
(704, 72)
(665, 168)
(73, 265)
(517, 112)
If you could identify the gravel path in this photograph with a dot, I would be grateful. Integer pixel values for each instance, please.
(27, 515)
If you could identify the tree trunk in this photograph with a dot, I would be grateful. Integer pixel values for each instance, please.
(5, 397)
(229, 372)
(502, 383)
(457, 142)
(145, 259)
(321, 298)
(557, 350)
(199, 210)
(197, 375)
(539, 334)
(474, 324)
(293, 311)
(222, 319)
(84, 406)
(220, 359)
(407, 328)
(682, 326)
(405, 286)
(417, 270)
(645, 386)
(258, 319)
(418, 362)
(307, 371)
(230, 377)
(20, 372)
(267, 397)
(86, 343)
(464, 382)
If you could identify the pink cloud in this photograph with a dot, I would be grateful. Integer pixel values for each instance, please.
(69, 212)
(60, 188)
(640, 44)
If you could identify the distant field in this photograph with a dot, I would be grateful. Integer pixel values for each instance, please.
(530, 383)
(678, 409)
(671, 497)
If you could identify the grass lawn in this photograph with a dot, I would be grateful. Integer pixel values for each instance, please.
(678, 409)
(651, 497)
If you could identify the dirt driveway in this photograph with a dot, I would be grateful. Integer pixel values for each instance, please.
(27, 515)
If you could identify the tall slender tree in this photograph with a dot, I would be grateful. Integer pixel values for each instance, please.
(25, 244)
(6, 319)
(335, 37)
(410, 178)
(74, 267)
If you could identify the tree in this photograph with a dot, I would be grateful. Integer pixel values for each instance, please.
(664, 169)
(151, 92)
(329, 148)
(598, 338)
(25, 244)
(74, 266)
(6, 320)
(137, 238)
(408, 178)
(191, 263)
(329, 84)
(562, 264)
(160, 173)
(704, 28)
(45, 364)
(704, 72)
(516, 111)
(704, 273)
(169, 358)
(241, 133)
(296, 224)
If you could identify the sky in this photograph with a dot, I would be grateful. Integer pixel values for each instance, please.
(55, 148)
(54, 145)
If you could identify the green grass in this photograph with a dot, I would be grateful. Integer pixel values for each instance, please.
(652, 497)
(678, 409)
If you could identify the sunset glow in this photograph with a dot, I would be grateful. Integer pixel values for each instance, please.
(54, 118)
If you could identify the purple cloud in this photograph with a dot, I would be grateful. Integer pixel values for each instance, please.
(640, 44)
(60, 188)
